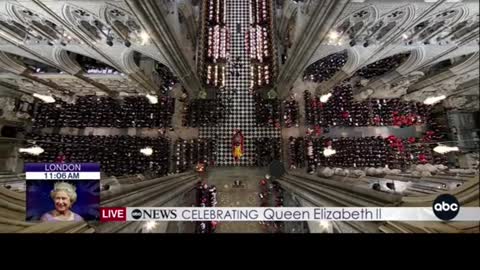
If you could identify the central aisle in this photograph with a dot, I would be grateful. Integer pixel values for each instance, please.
(244, 196)
(237, 95)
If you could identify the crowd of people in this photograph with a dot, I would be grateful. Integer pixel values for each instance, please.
(215, 44)
(326, 67)
(262, 12)
(102, 111)
(206, 196)
(342, 110)
(382, 66)
(215, 75)
(267, 111)
(291, 113)
(363, 152)
(93, 66)
(168, 79)
(260, 76)
(205, 112)
(267, 150)
(118, 155)
(189, 153)
(215, 12)
(259, 44)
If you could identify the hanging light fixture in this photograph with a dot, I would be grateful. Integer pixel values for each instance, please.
(329, 151)
(44, 98)
(150, 225)
(434, 100)
(333, 35)
(34, 150)
(324, 98)
(324, 224)
(443, 149)
(152, 99)
(144, 37)
(147, 151)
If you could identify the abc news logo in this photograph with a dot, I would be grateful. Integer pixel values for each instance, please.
(154, 214)
(446, 207)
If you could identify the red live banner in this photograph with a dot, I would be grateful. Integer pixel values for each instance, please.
(113, 214)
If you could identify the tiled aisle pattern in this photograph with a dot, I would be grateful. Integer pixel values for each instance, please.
(236, 93)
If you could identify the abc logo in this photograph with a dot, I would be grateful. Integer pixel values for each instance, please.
(136, 214)
(446, 207)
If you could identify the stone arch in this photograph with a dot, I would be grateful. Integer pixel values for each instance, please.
(471, 62)
(417, 56)
(353, 61)
(426, 30)
(63, 59)
(11, 64)
(129, 62)
(437, 68)
(18, 64)
(387, 24)
(451, 63)
(355, 24)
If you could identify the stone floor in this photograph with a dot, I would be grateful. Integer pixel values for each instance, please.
(246, 196)
(237, 94)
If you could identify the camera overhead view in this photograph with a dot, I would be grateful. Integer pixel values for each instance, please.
(239, 116)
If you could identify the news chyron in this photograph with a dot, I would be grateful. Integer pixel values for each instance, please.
(62, 192)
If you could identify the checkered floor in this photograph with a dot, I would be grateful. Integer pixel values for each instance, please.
(242, 114)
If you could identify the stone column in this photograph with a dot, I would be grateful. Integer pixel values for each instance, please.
(9, 156)
(323, 16)
(150, 14)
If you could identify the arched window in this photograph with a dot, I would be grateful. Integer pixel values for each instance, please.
(92, 26)
(461, 29)
(426, 31)
(353, 25)
(41, 26)
(386, 25)
(125, 25)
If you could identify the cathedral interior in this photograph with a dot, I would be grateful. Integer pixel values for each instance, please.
(190, 103)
